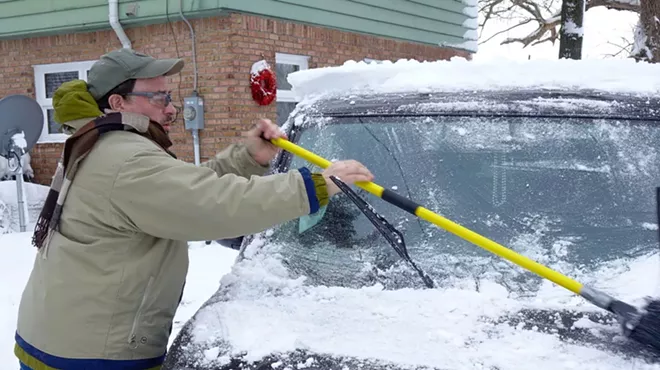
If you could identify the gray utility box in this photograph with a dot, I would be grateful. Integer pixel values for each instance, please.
(193, 112)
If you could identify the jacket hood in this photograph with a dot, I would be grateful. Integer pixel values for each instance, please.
(74, 105)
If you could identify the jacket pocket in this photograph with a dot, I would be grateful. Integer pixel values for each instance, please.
(132, 337)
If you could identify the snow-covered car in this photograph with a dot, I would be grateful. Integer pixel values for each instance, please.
(556, 160)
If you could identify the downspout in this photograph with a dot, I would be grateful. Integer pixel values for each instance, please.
(113, 15)
(195, 131)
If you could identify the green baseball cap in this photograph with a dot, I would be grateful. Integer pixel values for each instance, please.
(124, 64)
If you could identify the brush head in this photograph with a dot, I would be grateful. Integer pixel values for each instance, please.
(641, 325)
(647, 331)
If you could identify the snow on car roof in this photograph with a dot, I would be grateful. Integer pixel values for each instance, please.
(459, 74)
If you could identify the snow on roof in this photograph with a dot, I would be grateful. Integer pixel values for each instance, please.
(608, 75)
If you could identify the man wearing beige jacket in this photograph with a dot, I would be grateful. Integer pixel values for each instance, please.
(112, 237)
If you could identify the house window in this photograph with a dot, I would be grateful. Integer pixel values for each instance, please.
(286, 101)
(47, 78)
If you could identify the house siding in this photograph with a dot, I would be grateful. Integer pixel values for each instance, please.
(446, 22)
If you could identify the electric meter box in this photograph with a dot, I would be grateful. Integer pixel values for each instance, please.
(193, 112)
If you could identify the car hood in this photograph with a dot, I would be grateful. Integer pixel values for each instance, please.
(262, 314)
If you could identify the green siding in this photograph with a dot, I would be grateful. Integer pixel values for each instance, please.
(427, 21)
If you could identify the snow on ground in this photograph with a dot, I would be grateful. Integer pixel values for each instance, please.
(208, 263)
(34, 195)
(16, 256)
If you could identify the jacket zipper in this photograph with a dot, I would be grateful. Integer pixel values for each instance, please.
(138, 315)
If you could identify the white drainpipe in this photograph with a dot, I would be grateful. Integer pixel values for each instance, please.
(113, 6)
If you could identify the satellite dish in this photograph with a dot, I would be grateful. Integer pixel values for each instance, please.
(19, 113)
(21, 123)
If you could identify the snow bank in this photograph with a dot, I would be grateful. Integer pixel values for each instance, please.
(458, 74)
(35, 196)
(208, 263)
(16, 258)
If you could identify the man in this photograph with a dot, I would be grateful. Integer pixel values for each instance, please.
(112, 236)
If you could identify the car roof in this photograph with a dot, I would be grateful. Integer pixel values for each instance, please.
(620, 87)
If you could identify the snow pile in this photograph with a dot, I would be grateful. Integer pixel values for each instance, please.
(35, 196)
(267, 312)
(16, 259)
(458, 74)
(208, 263)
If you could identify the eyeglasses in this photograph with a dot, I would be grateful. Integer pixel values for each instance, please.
(158, 98)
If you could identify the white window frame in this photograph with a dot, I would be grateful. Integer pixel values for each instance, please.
(40, 71)
(302, 61)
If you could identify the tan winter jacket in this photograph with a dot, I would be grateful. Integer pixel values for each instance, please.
(110, 282)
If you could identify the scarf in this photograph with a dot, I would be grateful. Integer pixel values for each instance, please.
(76, 148)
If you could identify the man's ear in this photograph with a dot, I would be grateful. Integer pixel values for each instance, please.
(116, 102)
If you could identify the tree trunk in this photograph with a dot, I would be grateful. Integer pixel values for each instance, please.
(571, 31)
(647, 34)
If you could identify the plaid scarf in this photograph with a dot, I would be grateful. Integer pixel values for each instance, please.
(76, 148)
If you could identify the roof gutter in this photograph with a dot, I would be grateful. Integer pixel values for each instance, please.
(113, 15)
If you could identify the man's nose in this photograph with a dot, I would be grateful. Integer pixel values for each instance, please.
(170, 109)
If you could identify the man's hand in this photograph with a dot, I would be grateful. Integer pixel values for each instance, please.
(348, 171)
(261, 150)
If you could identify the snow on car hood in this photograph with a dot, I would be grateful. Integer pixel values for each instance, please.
(459, 74)
(267, 312)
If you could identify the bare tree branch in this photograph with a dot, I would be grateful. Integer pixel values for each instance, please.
(633, 6)
(506, 30)
(487, 14)
(551, 38)
(626, 48)
(545, 13)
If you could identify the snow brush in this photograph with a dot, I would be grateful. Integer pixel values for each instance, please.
(639, 324)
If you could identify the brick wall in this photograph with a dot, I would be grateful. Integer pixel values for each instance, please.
(226, 48)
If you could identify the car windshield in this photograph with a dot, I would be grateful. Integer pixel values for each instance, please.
(570, 193)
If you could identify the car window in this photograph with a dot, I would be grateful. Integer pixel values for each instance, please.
(569, 193)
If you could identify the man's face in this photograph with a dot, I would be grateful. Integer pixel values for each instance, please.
(156, 106)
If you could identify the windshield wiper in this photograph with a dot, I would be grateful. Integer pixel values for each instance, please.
(389, 232)
(396, 161)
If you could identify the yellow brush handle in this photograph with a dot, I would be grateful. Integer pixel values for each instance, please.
(444, 223)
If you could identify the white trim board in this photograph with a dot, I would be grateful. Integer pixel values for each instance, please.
(40, 71)
(302, 61)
